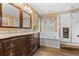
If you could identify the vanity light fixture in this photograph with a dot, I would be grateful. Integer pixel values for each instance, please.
(27, 9)
(24, 7)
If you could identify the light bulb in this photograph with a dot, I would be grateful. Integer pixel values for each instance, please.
(25, 7)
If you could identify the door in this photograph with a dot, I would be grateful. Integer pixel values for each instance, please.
(65, 22)
(23, 45)
(75, 27)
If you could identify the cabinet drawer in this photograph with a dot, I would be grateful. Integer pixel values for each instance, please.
(10, 49)
(9, 43)
(10, 52)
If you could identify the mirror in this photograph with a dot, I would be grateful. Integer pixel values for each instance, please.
(10, 15)
(26, 20)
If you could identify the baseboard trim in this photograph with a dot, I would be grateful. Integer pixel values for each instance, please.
(69, 46)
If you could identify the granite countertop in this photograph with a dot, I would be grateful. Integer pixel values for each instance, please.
(3, 36)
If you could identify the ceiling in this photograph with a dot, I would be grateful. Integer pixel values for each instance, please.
(45, 8)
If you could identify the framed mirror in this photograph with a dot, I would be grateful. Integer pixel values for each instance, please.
(10, 16)
(26, 20)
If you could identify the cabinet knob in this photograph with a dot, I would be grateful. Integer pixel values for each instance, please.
(11, 45)
(11, 54)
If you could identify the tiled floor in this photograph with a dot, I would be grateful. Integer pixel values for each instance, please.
(47, 51)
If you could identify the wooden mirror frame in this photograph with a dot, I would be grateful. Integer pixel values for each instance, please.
(29, 19)
(20, 17)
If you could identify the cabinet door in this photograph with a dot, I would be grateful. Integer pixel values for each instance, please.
(23, 46)
(20, 44)
(75, 27)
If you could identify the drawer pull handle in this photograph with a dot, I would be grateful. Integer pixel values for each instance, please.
(11, 54)
(11, 45)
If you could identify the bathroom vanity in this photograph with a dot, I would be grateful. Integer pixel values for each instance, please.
(19, 44)
(16, 43)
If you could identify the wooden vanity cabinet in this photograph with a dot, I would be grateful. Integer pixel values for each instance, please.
(19, 46)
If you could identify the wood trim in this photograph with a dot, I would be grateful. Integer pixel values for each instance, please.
(49, 15)
(56, 27)
(40, 24)
(21, 18)
(0, 14)
(30, 21)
